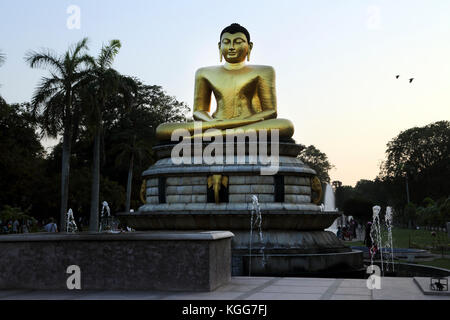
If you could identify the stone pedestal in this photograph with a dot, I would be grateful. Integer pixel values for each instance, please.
(165, 261)
(294, 241)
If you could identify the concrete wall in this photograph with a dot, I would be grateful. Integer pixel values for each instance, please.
(168, 261)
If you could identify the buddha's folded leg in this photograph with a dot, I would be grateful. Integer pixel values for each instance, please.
(165, 131)
(285, 127)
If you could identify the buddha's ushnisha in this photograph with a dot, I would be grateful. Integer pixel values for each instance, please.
(245, 94)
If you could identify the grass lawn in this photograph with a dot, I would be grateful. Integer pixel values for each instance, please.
(406, 238)
(420, 239)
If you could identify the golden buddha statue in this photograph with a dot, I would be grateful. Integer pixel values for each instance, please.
(245, 94)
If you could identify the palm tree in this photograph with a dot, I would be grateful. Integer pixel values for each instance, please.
(104, 82)
(54, 99)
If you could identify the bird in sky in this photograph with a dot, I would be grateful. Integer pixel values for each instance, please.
(411, 80)
(396, 77)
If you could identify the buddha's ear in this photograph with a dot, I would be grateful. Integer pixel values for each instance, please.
(220, 52)
(250, 47)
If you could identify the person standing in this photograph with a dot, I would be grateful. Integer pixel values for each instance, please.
(353, 229)
(368, 240)
(16, 226)
(51, 226)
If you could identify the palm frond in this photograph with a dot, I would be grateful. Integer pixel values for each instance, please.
(78, 47)
(45, 58)
(46, 89)
(51, 118)
(87, 60)
(108, 53)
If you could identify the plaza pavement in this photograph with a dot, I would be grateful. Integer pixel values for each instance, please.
(253, 288)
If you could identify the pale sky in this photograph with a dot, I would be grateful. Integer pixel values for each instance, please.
(335, 61)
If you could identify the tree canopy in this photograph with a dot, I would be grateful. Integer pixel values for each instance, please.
(318, 161)
(421, 155)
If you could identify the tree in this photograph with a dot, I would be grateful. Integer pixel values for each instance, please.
(131, 132)
(103, 82)
(53, 102)
(342, 194)
(132, 151)
(409, 214)
(318, 161)
(358, 208)
(420, 157)
(22, 180)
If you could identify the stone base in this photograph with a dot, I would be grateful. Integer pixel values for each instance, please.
(165, 261)
(196, 195)
(336, 264)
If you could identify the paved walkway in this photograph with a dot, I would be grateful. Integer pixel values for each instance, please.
(253, 288)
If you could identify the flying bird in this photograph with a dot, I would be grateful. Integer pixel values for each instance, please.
(411, 80)
(396, 77)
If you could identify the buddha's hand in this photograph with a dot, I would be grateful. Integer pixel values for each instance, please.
(202, 116)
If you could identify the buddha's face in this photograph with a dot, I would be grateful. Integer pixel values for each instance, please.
(234, 47)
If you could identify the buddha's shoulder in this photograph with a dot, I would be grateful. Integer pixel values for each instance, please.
(208, 70)
(261, 68)
(218, 69)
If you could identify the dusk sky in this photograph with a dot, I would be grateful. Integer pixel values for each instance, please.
(335, 61)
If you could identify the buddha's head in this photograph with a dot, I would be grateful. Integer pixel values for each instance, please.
(235, 44)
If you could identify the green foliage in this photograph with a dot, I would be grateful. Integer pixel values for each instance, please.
(418, 157)
(55, 102)
(359, 200)
(433, 214)
(343, 194)
(359, 208)
(121, 125)
(420, 154)
(9, 213)
(54, 98)
(21, 160)
(410, 212)
(81, 95)
(80, 195)
(318, 161)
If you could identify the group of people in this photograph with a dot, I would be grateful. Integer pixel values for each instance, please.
(12, 226)
(348, 231)
(15, 226)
